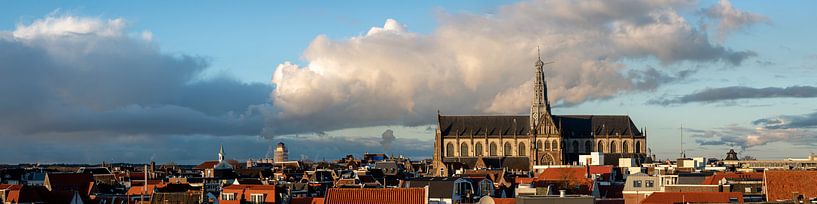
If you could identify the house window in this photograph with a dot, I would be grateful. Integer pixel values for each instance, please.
(637, 184)
(649, 183)
(257, 198)
(227, 196)
(486, 188)
(748, 189)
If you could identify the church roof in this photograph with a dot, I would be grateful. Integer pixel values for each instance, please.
(569, 125)
(584, 125)
(482, 125)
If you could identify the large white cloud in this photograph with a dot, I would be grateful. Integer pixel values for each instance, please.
(474, 63)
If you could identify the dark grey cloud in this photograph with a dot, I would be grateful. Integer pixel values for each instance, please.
(94, 79)
(740, 92)
(387, 138)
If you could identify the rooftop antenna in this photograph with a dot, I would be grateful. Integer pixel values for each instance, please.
(683, 152)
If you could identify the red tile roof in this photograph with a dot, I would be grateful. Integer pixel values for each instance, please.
(693, 197)
(245, 192)
(780, 185)
(504, 200)
(562, 174)
(376, 196)
(604, 169)
(249, 187)
(213, 163)
(306, 200)
(138, 190)
(714, 179)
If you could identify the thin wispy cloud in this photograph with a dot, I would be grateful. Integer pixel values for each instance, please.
(731, 93)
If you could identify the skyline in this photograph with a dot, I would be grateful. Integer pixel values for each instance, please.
(114, 82)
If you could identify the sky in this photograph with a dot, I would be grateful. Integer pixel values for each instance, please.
(87, 82)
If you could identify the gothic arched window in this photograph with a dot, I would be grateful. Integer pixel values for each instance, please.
(546, 159)
(613, 147)
(521, 149)
(463, 150)
(555, 145)
(600, 147)
(547, 146)
(539, 145)
(637, 146)
(449, 150)
(625, 147)
(478, 149)
(492, 149)
(507, 148)
(588, 146)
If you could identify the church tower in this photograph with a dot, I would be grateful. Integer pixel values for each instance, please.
(540, 106)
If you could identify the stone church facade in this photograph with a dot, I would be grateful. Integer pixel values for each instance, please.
(537, 139)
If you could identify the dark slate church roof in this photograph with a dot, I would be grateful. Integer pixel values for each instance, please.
(569, 125)
(480, 125)
(583, 125)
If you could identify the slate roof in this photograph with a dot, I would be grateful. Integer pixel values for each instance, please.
(692, 178)
(584, 125)
(438, 187)
(569, 125)
(375, 196)
(482, 125)
(498, 162)
(781, 184)
(70, 182)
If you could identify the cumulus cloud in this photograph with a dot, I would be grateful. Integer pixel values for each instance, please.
(731, 19)
(474, 63)
(66, 75)
(711, 95)
(387, 138)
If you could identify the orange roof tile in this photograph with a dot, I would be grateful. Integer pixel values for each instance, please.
(562, 174)
(781, 184)
(504, 200)
(138, 190)
(693, 197)
(376, 196)
(714, 179)
(250, 187)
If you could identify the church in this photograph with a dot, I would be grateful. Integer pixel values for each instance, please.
(519, 142)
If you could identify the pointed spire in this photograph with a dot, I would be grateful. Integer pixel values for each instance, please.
(220, 152)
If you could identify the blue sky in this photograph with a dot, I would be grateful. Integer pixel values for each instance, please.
(346, 73)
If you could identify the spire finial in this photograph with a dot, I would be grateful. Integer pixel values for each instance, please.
(538, 53)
